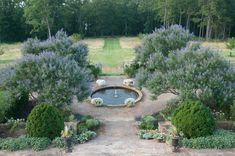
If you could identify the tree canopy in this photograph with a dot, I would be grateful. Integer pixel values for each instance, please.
(20, 19)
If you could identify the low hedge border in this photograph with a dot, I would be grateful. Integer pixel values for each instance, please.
(221, 139)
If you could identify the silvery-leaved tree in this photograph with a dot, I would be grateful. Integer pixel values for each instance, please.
(47, 77)
(60, 44)
(191, 72)
(51, 71)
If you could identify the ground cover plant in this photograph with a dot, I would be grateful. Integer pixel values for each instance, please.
(219, 139)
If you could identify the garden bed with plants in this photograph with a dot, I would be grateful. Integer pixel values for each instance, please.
(221, 135)
(203, 115)
(36, 92)
(19, 135)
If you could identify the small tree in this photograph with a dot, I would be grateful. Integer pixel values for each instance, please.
(194, 72)
(230, 44)
(54, 78)
(41, 14)
(168, 66)
(163, 42)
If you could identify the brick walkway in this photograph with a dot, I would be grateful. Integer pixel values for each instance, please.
(117, 137)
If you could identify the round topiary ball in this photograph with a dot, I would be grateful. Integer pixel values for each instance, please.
(193, 119)
(45, 120)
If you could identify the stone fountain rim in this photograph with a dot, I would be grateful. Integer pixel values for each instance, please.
(140, 94)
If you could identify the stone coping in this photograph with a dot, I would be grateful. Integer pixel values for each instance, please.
(140, 94)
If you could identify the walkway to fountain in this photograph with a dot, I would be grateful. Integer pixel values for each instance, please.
(117, 136)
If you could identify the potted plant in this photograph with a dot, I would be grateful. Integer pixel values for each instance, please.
(67, 135)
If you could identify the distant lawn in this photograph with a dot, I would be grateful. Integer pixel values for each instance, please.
(222, 50)
(112, 53)
(112, 56)
(11, 52)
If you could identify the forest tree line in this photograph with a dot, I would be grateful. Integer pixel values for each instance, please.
(20, 19)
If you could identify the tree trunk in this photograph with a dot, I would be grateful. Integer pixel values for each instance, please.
(203, 31)
(224, 31)
(188, 22)
(180, 20)
(208, 28)
(165, 13)
(48, 28)
(126, 27)
(200, 31)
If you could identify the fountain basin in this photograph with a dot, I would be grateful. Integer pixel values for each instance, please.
(115, 96)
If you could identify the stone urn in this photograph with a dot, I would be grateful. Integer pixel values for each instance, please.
(175, 143)
(68, 144)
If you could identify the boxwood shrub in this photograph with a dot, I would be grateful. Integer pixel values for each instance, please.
(45, 120)
(194, 119)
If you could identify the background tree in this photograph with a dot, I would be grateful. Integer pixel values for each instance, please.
(41, 14)
(205, 18)
(12, 22)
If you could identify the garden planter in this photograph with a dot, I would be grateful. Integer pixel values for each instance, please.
(160, 140)
(175, 144)
(68, 144)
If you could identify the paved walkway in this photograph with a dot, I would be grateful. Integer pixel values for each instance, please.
(117, 136)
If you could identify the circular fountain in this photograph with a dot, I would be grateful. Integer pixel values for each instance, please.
(115, 96)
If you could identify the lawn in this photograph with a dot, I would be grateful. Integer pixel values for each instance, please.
(222, 50)
(112, 53)
(112, 56)
(11, 52)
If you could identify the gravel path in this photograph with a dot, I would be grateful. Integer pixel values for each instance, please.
(117, 136)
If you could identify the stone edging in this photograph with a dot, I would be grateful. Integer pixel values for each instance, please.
(140, 94)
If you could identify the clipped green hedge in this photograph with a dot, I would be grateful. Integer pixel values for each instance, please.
(45, 120)
(220, 139)
(193, 119)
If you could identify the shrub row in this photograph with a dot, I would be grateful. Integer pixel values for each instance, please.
(24, 142)
(220, 139)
